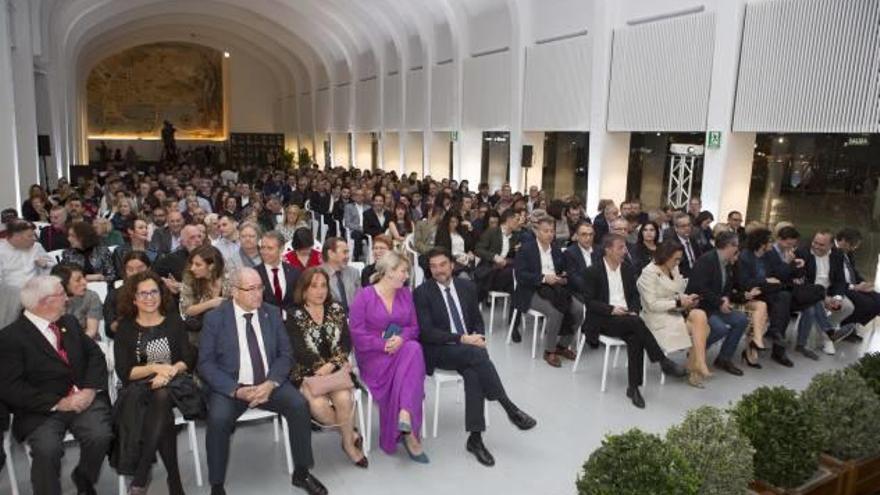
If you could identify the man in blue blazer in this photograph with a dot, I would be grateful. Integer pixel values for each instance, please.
(453, 338)
(245, 359)
(279, 278)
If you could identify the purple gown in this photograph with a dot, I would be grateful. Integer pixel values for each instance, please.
(397, 381)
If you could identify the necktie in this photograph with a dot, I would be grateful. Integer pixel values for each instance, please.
(59, 347)
(456, 316)
(276, 285)
(254, 350)
(690, 253)
(343, 299)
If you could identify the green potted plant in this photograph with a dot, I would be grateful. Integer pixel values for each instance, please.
(869, 367)
(846, 407)
(287, 159)
(786, 442)
(715, 448)
(636, 463)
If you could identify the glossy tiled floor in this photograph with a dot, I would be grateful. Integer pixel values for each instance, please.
(572, 415)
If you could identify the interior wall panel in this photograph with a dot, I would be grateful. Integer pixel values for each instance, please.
(558, 82)
(323, 108)
(443, 97)
(304, 106)
(392, 102)
(661, 74)
(341, 107)
(415, 99)
(809, 66)
(367, 105)
(487, 91)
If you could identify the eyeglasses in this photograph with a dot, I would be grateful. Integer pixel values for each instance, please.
(57, 294)
(147, 294)
(251, 288)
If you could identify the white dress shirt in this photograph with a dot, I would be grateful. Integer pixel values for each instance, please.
(505, 243)
(175, 242)
(457, 242)
(17, 266)
(547, 266)
(246, 367)
(616, 294)
(449, 310)
(823, 270)
(588, 256)
(360, 208)
(229, 249)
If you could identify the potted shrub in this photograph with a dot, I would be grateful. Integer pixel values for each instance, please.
(869, 367)
(786, 442)
(715, 448)
(846, 406)
(636, 463)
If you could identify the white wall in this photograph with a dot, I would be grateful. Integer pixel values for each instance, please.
(487, 92)
(391, 151)
(367, 99)
(443, 97)
(557, 92)
(439, 166)
(341, 108)
(392, 102)
(415, 99)
(252, 96)
(414, 153)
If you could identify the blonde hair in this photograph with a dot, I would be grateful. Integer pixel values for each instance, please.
(390, 262)
(719, 228)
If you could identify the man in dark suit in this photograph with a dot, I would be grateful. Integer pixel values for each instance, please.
(167, 239)
(245, 359)
(279, 279)
(865, 300)
(452, 334)
(496, 249)
(735, 224)
(613, 306)
(170, 266)
(712, 279)
(579, 257)
(542, 285)
(376, 219)
(683, 234)
(53, 377)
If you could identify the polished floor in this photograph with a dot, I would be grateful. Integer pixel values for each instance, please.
(573, 416)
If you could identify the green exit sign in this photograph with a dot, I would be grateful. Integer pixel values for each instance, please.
(713, 140)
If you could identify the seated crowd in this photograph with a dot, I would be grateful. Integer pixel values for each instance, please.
(174, 278)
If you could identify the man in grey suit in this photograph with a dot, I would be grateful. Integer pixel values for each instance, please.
(167, 239)
(345, 281)
(353, 220)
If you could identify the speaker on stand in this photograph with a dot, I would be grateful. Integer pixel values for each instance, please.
(44, 149)
(526, 162)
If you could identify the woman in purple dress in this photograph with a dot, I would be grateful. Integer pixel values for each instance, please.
(385, 334)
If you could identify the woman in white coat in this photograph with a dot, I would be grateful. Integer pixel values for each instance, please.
(670, 314)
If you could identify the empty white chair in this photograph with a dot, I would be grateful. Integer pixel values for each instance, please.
(493, 295)
(99, 288)
(538, 318)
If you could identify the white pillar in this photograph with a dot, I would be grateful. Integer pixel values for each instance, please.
(727, 171)
(609, 151)
(25, 98)
(470, 142)
(10, 192)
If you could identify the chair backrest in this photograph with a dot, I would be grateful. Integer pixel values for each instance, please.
(357, 265)
(56, 254)
(111, 248)
(99, 288)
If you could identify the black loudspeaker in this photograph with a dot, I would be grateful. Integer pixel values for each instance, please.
(527, 156)
(44, 147)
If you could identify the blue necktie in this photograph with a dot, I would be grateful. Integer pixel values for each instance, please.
(456, 316)
(254, 350)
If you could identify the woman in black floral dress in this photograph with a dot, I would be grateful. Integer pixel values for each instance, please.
(318, 330)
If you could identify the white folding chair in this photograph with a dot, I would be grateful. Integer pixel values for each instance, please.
(357, 265)
(99, 288)
(10, 465)
(493, 295)
(610, 342)
(538, 317)
(443, 377)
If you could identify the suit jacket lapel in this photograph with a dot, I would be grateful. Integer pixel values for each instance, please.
(232, 327)
(266, 331)
(33, 333)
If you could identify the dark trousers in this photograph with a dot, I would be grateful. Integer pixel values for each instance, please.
(632, 330)
(866, 307)
(778, 312)
(357, 237)
(159, 435)
(223, 411)
(481, 381)
(92, 431)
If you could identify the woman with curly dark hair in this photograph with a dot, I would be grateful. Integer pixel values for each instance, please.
(203, 288)
(86, 251)
(646, 244)
(454, 236)
(150, 349)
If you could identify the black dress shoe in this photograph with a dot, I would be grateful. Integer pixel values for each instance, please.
(83, 485)
(309, 483)
(517, 336)
(218, 490)
(522, 420)
(728, 366)
(672, 368)
(806, 352)
(782, 359)
(476, 447)
(636, 397)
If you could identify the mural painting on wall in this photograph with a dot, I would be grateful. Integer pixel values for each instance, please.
(132, 92)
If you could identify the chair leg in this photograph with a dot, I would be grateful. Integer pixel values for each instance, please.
(120, 481)
(510, 327)
(424, 423)
(485, 411)
(10, 465)
(534, 337)
(287, 454)
(360, 412)
(275, 427)
(616, 356)
(491, 314)
(605, 367)
(368, 434)
(505, 316)
(645, 362)
(580, 349)
(194, 447)
(436, 406)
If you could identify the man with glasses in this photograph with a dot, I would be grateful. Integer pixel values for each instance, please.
(683, 230)
(53, 377)
(245, 359)
(735, 224)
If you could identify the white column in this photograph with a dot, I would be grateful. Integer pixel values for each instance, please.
(727, 171)
(10, 192)
(609, 151)
(470, 142)
(25, 99)
(520, 36)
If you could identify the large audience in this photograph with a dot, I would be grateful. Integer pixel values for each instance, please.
(289, 290)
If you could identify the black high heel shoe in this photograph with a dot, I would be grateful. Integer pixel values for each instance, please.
(745, 359)
(753, 345)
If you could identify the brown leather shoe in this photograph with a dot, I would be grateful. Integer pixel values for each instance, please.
(566, 353)
(552, 359)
